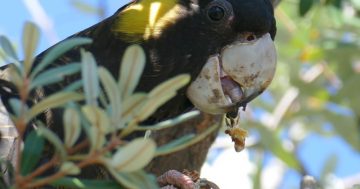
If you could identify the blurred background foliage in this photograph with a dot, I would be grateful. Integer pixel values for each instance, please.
(315, 91)
(308, 122)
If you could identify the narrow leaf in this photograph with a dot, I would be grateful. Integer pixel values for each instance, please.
(76, 183)
(97, 117)
(72, 127)
(32, 152)
(138, 179)
(70, 168)
(133, 156)
(111, 90)
(100, 126)
(54, 101)
(30, 41)
(53, 139)
(170, 86)
(161, 94)
(305, 6)
(16, 106)
(184, 142)
(132, 66)
(59, 50)
(171, 122)
(55, 75)
(8, 48)
(85, 7)
(273, 143)
(74, 86)
(132, 105)
(90, 78)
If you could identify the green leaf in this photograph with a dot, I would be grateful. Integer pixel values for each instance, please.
(135, 180)
(53, 101)
(133, 156)
(72, 127)
(90, 78)
(59, 50)
(85, 7)
(30, 42)
(74, 86)
(112, 91)
(161, 94)
(184, 142)
(132, 105)
(100, 125)
(8, 48)
(54, 140)
(70, 168)
(76, 183)
(273, 143)
(32, 152)
(329, 166)
(55, 75)
(171, 122)
(15, 76)
(132, 66)
(16, 106)
(305, 6)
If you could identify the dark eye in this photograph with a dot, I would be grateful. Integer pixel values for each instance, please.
(216, 13)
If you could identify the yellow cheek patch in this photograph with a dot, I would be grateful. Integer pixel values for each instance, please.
(146, 19)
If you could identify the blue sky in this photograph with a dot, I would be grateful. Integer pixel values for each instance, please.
(68, 20)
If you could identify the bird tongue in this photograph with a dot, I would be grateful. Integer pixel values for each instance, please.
(231, 89)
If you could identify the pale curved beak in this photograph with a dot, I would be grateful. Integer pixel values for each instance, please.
(236, 76)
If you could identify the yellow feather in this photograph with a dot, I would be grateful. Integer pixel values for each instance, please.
(146, 19)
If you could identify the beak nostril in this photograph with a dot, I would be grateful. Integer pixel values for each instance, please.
(246, 37)
(250, 37)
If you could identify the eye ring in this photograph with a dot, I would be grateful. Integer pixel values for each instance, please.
(216, 13)
(219, 10)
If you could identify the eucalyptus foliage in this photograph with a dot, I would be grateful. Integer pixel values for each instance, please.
(105, 114)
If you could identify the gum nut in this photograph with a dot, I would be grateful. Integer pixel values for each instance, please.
(206, 92)
(252, 65)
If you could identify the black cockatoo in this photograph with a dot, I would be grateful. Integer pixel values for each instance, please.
(225, 45)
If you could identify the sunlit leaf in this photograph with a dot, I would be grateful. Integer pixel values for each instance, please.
(171, 122)
(100, 125)
(8, 48)
(185, 141)
(132, 65)
(138, 179)
(33, 147)
(15, 76)
(76, 85)
(161, 94)
(53, 101)
(53, 139)
(97, 117)
(70, 168)
(112, 91)
(85, 7)
(133, 156)
(57, 51)
(30, 42)
(55, 75)
(90, 78)
(132, 105)
(72, 127)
